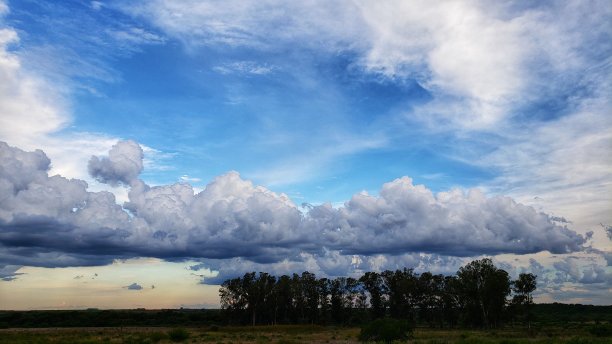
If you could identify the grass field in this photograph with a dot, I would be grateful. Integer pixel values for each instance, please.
(287, 334)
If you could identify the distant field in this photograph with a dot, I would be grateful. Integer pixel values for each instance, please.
(554, 323)
(288, 334)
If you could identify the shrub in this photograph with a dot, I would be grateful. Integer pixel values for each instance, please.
(385, 330)
(156, 337)
(601, 330)
(178, 334)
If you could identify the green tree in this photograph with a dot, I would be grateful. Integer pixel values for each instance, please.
(310, 288)
(233, 298)
(484, 288)
(374, 285)
(401, 292)
(523, 288)
(283, 300)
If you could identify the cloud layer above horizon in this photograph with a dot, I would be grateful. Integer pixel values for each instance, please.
(499, 113)
(52, 221)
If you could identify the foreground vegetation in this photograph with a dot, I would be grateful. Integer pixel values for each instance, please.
(544, 316)
(287, 334)
(480, 304)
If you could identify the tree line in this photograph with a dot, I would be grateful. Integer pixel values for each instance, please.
(479, 295)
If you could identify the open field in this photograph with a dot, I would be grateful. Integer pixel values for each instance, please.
(289, 334)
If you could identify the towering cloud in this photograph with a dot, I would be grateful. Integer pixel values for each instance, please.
(53, 221)
(405, 217)
(123, 164)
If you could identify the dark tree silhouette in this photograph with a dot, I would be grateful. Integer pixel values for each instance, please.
(401, 292)
(475, 296)
(373, 283)
(523, 287)
(484, 289)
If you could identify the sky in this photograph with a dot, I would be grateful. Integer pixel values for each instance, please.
(149, 150)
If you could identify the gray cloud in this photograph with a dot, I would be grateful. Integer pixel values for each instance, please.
(9, 272)
(571, 270)
(411, 218)
(123, 164)
(328, 263)
(608, 230)
(53, 221)
(134, 286)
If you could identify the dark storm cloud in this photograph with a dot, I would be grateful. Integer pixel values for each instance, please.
(54, 221)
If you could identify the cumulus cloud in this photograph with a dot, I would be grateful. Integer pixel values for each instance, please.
(572, 269)
(583, 277)
(123, 164)
(53, 221)
(327, 263)
(608, 230)
(134, 286)
(405, 217)
(488, 66)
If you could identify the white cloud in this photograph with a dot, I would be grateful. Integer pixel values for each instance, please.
(33, 111)
(29, 106)
(135, 35)
(96, 5)
(310, 163)
(35, 107)
(44, 216)
(478, 59)
(244, 67)
(189, 179)
(563, 166)
(4, 9)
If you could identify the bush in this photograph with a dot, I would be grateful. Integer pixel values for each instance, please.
(178, 334)
(603, 330)
(156, 337)
(386, 330)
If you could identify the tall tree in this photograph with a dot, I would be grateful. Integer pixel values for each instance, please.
(401, 291)
(336, 290)
(299, 301)
(283, 300)
(310, 288)
(484, 288)
(523, 288)
(452, 302)
(323, 286)
(373, 283)
(478, 292)
(233, 298)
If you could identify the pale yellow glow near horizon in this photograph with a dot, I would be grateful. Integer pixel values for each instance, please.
(64, 288)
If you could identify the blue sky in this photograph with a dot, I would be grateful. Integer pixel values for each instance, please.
(320, 101)
(262, 112)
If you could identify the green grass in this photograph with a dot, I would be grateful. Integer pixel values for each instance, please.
(297, 334)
